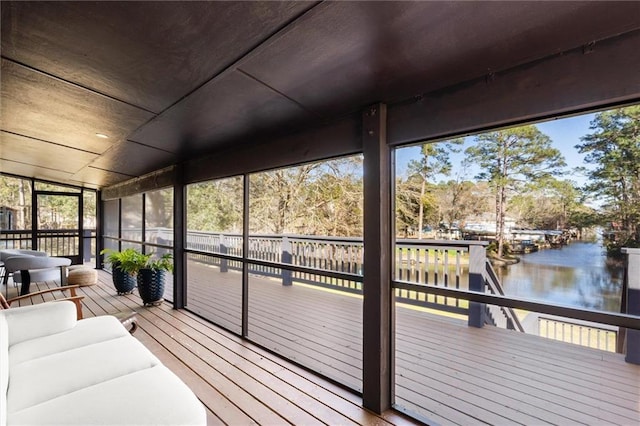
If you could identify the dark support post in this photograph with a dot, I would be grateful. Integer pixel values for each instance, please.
(144, 222)
(179, 240)
(377, 346)
(287, 258)
(224, 263)
(34, 217)
(120, 224)
(633, 302)
(99, 229)
(82, 243)
(245, 256)
(477, 265)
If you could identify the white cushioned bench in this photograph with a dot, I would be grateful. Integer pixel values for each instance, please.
(57, 370)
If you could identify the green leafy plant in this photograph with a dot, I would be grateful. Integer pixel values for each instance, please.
(111, 256)
(164, 263)
(129, 261)
(123, 260)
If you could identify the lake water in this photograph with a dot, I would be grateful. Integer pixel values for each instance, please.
(575, 275)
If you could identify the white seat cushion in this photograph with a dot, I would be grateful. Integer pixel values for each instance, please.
(4, 369)
(35, 321)
(154, 396)
(39, 380)
(86, 332)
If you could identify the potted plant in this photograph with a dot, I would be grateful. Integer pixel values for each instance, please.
(151, 277)
(122, 271)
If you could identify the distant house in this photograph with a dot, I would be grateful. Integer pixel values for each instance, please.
(486, 224)
(7, 218)
(534, 235)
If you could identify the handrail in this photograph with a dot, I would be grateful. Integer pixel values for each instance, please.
(56, 242)
(611, 318)
(44, 231)
(492, 282)
(306, 259)
(433, 274)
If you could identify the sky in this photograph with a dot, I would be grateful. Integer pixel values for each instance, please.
(565, 134)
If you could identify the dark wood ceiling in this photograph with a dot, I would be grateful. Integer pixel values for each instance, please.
(168, 81)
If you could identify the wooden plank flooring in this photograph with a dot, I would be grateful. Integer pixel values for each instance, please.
(445, 371)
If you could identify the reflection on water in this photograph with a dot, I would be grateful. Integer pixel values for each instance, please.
(575, 275)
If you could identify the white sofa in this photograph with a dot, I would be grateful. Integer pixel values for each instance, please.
(57, 370)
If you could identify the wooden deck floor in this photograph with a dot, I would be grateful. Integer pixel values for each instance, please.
(445, 371)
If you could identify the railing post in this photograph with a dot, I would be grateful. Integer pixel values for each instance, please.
(633, 302)
(286, 257)
(224, 263)
(86, 236)
(510, 325)
(477, 261)
(64, 275)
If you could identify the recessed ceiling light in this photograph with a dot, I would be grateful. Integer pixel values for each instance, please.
(102, 136)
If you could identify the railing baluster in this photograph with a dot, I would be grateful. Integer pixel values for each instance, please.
(446, 272)
(435, 266)
(458, 256)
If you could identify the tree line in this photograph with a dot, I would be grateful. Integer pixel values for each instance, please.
(313, 199)
(525, 178)
(54, 211)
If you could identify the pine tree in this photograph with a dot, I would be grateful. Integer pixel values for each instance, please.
(509, 158)
(614, 148)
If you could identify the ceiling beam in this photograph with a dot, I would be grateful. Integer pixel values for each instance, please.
(595, 76)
